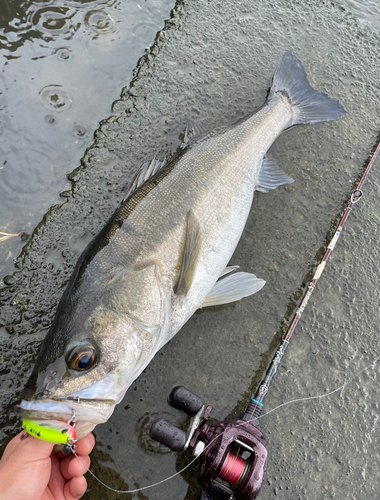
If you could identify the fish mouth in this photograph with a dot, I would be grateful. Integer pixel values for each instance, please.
(88, 413)
(93, 404)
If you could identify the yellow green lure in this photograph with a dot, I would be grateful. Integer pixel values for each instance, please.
(51, 431)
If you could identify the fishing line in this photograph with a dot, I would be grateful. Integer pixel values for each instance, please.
(372, 365)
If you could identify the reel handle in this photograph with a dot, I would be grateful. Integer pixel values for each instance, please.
(185, 400)
(168, 434)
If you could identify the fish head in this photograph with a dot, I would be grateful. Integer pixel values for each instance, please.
(89, 358)
(88, 375)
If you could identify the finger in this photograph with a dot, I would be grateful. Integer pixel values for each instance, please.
(12, 444)
(11, 447)
(61, 456)
(56, 482)
(74, 467)
(75, 488)
(48, 495)
(79, 466)
(28, 459)
(37, 447)
(29, 447)
(85, 445)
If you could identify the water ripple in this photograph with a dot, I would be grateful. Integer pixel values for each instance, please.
(53, 20)
(50, 120)
(100, 22)
(79, 130)
(55, 97)
(63, 53)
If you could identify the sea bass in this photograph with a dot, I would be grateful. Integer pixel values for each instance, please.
(164, 254)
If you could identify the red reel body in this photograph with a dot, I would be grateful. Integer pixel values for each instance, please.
(233, 454)
(236, 458)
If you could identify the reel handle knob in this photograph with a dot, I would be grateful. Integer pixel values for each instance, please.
(185, 400)
(168, 434)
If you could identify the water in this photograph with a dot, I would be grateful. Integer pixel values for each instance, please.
(63, 64)
(214, 64)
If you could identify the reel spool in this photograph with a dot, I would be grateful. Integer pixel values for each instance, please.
(233, 454)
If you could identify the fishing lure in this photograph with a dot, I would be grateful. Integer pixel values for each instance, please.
(51, 431)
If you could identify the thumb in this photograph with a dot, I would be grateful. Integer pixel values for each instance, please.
(25, 468)
(27, 449)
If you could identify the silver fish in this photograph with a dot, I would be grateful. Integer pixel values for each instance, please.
(163, 254)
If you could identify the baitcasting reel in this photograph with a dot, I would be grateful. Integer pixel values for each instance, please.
(233, 453)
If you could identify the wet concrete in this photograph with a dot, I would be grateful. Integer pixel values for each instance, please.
(213, 63)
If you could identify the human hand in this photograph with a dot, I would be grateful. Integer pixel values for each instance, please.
(28, 470)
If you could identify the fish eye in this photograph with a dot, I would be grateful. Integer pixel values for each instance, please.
(82, 357)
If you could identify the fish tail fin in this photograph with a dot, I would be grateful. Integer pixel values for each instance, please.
(310, 106)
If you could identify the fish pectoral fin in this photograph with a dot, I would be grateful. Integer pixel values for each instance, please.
(190, 255)
(193, 132)
(271, 176)
(233, 288)
(144, 173)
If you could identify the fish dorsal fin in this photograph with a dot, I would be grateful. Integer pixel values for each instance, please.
(271, 176)
(193, 132)
(145, 172)
(232, 288)
(191, 250)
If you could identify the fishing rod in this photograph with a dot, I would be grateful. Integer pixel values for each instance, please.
(234, 453)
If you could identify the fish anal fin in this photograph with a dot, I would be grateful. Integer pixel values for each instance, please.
(233, 288)
(271, 176)
(191, 250)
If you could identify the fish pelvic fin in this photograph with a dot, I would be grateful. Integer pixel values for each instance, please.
(191, 250)
(310, 106)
